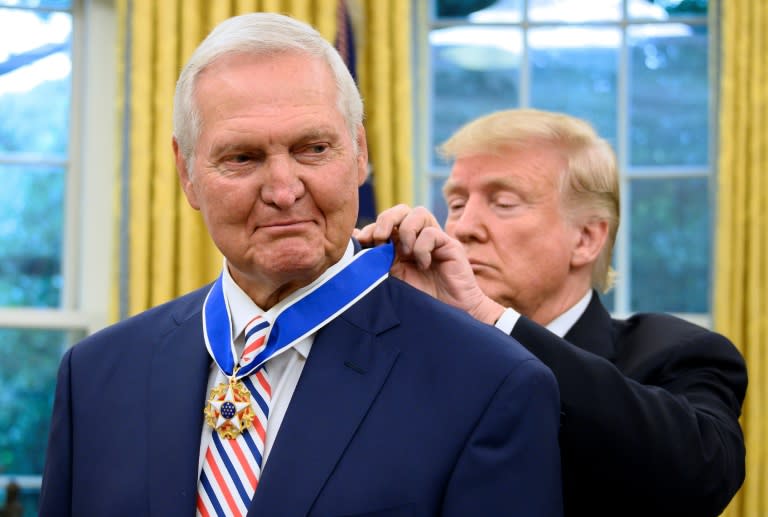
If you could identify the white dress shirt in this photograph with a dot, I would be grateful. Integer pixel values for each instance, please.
(284, 367)
(559, 326)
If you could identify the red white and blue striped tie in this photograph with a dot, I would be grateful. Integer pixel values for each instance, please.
(232, 468)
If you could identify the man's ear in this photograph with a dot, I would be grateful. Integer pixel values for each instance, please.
(184, 176)
(362, 156)
(591, 239)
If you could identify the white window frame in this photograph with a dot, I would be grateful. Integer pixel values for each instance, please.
(88, 254)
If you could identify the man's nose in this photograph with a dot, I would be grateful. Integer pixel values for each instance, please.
(282, 184)
(469, 224)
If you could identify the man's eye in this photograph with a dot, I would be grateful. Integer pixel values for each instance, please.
(455, 205)
(313, 153)
(240, 158)
(317, 148)
(238, 162)
(506, 202)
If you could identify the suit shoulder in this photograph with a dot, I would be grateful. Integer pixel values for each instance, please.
(449, 346)
(663, 333)
(453, 330)
(664, 327)
(155, 321)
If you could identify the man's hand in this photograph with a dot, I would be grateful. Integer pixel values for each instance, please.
(429, 259)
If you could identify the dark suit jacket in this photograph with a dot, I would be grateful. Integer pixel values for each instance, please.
(404, 407)
(650, 414)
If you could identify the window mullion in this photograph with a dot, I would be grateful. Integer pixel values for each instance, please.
(622, 289)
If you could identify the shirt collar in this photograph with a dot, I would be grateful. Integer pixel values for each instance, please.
(243, 309)
(563, 323)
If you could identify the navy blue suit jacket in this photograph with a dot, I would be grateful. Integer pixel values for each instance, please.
(404, 407)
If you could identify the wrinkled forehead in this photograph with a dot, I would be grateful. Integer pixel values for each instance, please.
(260, 69)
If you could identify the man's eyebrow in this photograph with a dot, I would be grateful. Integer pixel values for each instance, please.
(451, 187)
(318, 132)
(496, 183)
(223, 148)
(502, 182)
(245, 143)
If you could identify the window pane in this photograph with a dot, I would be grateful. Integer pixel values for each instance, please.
(475, 71)
(481, 10)
(31, 228)
(574, 10)
(670, 245)
(30, 360)
(685, 8)
(35, 68)
(669, 95)
(49, 4)
(573, 70)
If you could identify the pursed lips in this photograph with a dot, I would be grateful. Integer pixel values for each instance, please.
(479, 266)
(284, 225)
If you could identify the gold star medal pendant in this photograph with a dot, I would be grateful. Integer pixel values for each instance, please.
(229, 408)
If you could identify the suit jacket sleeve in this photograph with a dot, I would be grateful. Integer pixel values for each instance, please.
(509, 466)
(656, 426)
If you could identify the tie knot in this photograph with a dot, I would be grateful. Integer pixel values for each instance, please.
(255, 329)
(255, 334)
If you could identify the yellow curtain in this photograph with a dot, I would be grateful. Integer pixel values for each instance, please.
(741, 276)
(164, 249)
(385, 82)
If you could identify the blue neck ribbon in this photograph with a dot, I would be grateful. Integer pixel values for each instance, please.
(304, 316)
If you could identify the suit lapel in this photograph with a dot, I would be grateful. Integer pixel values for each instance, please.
(177, 388)
(345, 371)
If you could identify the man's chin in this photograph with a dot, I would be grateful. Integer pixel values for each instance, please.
(290, 257)
(298, 259)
